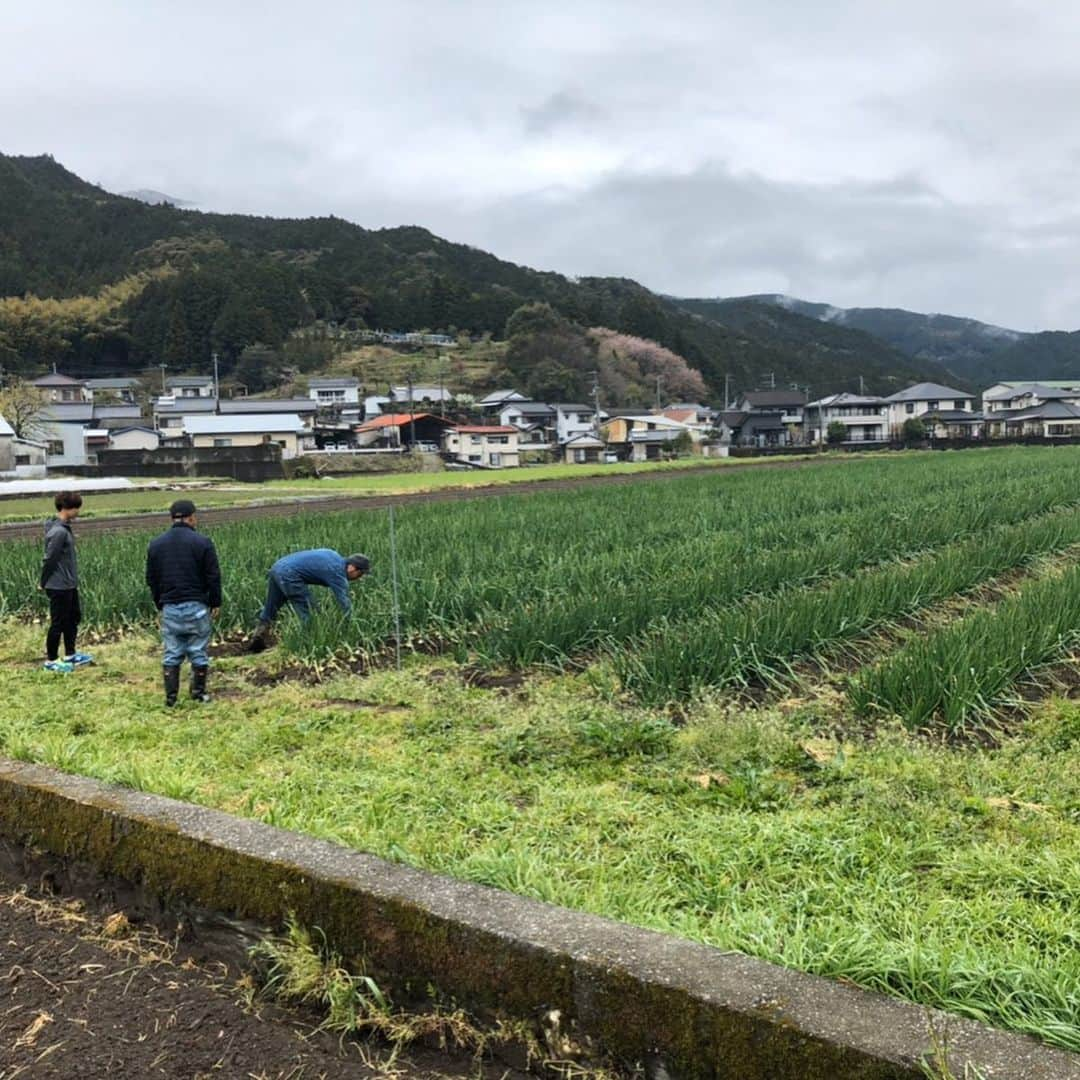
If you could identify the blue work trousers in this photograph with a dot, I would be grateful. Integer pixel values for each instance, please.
(281, 591)
(185, 632)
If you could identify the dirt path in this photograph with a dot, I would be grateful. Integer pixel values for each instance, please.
(220, 516)
(89, 996)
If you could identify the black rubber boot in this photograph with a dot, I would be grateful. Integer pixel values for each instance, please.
(198, 684)
(172, 685)
(258, 640)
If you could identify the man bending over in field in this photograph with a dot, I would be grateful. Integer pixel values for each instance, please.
(290, 577)
(60, 580)
(185, 582)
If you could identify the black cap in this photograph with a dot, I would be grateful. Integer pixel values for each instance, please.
(361, 562)
(182, 508)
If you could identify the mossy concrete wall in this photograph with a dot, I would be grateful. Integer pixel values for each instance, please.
(682, 1009)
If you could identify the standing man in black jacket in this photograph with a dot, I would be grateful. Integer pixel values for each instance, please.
(185, 581)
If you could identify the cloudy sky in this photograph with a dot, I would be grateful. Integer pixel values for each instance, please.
(917, 154)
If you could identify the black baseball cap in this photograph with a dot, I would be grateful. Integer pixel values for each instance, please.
(182, 508)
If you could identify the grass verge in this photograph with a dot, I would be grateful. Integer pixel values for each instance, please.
(949, 876)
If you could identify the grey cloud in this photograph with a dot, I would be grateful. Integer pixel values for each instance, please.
(560, 110)
(920, 155)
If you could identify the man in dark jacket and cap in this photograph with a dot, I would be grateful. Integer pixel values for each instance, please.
(290, 577)
(185, 581)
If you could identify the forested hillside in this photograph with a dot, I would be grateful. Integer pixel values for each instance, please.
(106, 283)
(976, 352)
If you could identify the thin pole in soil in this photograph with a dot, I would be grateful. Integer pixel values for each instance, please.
(394, 577)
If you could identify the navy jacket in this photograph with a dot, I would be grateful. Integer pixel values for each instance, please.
(59, 569)
(182, 565)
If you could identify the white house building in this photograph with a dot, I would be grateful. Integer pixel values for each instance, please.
(221, 432)
(572, 419)
(329, 393)
(865, 419)
(1002, 395)
(916, 401)
(535, 421)
(1012, 397)
(20, 459)
(419, 395)
(190, 386)
(135, 437)
(489, 446)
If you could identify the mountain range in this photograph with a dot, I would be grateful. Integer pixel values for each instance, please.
(976, 352)
(117, 283)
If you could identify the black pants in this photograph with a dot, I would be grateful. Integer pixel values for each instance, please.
(65, 614)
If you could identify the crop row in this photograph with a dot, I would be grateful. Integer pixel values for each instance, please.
(959, 672)
(756, 642)
(525, 579)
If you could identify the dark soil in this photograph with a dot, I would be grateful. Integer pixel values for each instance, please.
(489, 680)
(85, 996)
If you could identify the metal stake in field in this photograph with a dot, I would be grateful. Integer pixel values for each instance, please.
(393, 575)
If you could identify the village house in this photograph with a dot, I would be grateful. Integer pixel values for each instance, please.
(1049, 420)
(764, 418)
(584, 448)
(534, 420)
(374, 404)
(420, 395)
(336, 392)
(865, 419)
(117, 390)
(190, 386)
(59, 389)
(20, 459)
(923, 398)
(1004, 396)
(489, 446)
(495, 401)
(287, 430)
(644, 437)
(571, 420)
(135, 437)
(394, 431)
(1014, 397)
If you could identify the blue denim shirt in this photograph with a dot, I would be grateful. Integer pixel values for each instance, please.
(320, 566)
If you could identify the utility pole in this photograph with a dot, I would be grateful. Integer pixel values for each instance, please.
(727, 392)
(658, 405)
(162, 366)
(442, 386)
(862, 386)
(770, 378)
(217, 387)
(596, 401)
(412, 418)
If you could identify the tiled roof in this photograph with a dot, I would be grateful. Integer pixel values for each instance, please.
(927, 391)
(395, 420)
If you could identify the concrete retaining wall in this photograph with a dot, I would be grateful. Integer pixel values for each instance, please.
(684, 1009)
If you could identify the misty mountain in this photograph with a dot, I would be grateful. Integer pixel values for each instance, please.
(980, 353)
